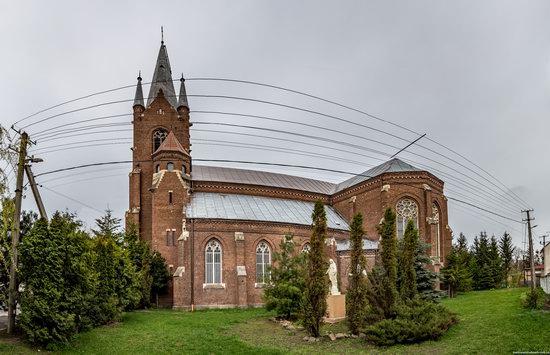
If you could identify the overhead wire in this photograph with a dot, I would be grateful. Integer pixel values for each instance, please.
(467, 186)
(271, 164)
(307, 95)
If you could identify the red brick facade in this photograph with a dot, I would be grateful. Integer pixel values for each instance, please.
(160, 194)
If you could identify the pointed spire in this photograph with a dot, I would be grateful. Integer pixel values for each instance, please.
(162, 79)
(182, 101)
(138, 100)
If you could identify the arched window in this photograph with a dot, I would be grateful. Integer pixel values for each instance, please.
(436, 233)
(406, 209)
(263, 262)
(306, 248)
(183, 170)
(170, 166)
(157, 168)
(213, 257)
(159, 135)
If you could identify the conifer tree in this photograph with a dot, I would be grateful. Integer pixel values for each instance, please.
(382, 290)
(408, 288)
(108, 226)
(284, 293)
(425, 277)
(495, 263)
(356, 298)
(506, 250)
(316, 280)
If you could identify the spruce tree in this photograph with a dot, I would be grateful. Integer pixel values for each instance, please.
(284, 293)
(425, 277)
(495, 262)
(506, 250)
(316, 280)
(408, 289)
(356, 298)
(108, 226)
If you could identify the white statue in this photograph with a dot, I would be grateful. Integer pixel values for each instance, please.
(332, 273)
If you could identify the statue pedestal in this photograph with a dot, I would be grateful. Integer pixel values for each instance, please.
(336, 308)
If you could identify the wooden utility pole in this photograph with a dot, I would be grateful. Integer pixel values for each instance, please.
(531, 254)
(15, 232)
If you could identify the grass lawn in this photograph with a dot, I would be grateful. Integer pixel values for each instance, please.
(491, 322)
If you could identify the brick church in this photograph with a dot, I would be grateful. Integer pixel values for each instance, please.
(218, 227)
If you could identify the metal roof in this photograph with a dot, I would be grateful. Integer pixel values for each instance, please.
(344, 245)
(138, 100)
(209, 205)
(394, 165)
(262, 178)
(162, 79)
(182, 100)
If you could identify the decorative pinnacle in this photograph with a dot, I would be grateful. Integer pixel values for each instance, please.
(182, 78)
(161, 35)
(139, 76)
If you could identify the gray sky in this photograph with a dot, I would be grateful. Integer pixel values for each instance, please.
(473, 75)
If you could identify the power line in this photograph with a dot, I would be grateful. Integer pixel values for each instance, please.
(311, 111)
(336, 142)
(72, 199)
(312, 137)
(278, 165)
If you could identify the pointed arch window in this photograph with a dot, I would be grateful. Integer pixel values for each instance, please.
(436, 233)
(213, 257)
(159, 135)
(263, 263)
(406, 209)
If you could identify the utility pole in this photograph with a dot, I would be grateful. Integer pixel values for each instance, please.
(34, 189)
(531, 254)
(543, 244)
(15, 232)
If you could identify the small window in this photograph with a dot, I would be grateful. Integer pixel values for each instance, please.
(168, 238)
(157, 168)
(213, 264)
(173, 237)
(170, 166)
(306, 248)
(170, 197)
(159, 136)
(183, 170)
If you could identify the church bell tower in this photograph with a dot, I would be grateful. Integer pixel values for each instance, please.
(160, 176)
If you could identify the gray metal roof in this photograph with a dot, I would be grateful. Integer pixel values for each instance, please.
(209, 205)
(262, 178)
(394, 165)
(344, 245)
(182, 100)
(162, 79)
(138, 100)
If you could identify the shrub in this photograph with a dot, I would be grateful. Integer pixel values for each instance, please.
(415, 321)
(534, 299)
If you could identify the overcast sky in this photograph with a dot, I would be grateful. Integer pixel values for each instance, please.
(473, 75)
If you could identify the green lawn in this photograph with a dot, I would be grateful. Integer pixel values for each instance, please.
(491, 322)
